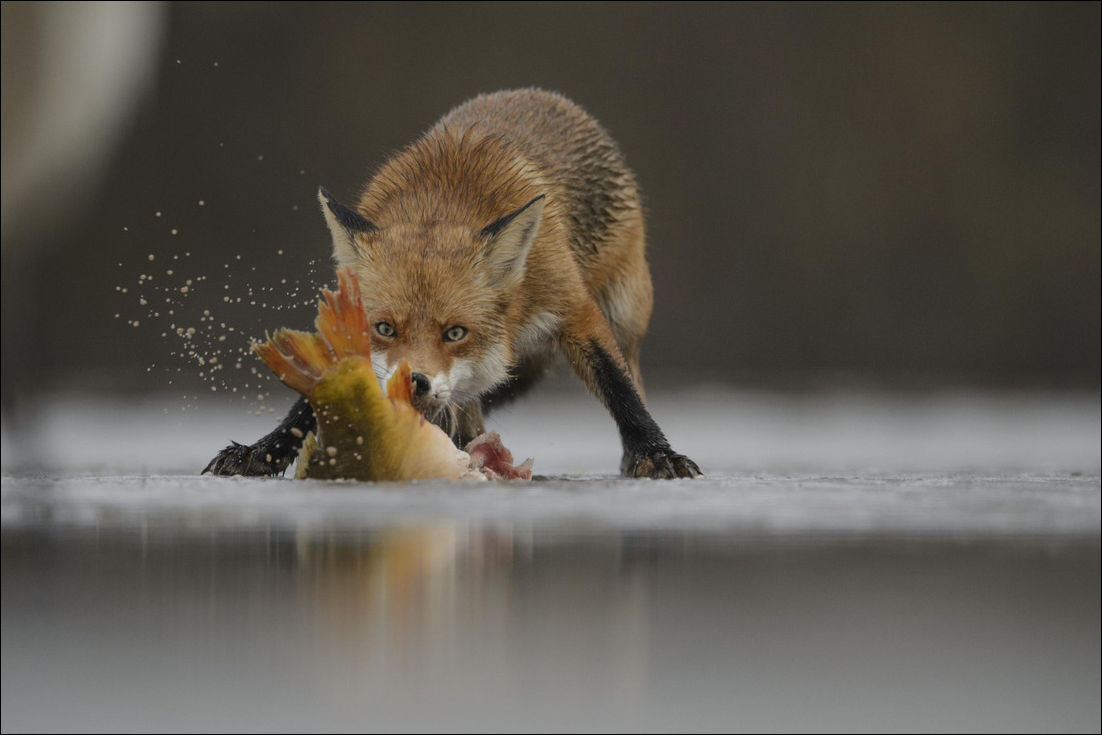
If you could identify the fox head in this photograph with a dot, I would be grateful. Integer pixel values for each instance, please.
(438, 295)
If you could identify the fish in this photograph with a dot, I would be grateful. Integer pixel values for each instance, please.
(364, 433)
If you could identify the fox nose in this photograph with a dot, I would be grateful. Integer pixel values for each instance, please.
(421, 384)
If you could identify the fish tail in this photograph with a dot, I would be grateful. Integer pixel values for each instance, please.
(341, 320)
(301, 358)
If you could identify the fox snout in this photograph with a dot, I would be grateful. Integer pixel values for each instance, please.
(421, 385)
(432, 396)
(430, 393)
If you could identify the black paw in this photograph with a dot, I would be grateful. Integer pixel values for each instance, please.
(659, 465)
(252, 461)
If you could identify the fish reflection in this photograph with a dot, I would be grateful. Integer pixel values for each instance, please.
(402, 578)
(453, 608)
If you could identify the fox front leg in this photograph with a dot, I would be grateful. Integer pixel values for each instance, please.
(271, 454)
(594, 356)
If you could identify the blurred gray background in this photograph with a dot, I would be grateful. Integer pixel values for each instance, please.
(903, 194)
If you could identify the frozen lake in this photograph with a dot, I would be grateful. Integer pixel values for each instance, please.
(852, 561)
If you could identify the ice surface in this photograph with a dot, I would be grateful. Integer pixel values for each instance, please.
(852, 562)
(790, 504)
(724, 430)
(827, 464)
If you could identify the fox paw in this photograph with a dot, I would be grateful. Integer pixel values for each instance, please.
(659, 465)
(251, 461)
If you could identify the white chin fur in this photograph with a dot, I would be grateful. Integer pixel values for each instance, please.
(476, 377)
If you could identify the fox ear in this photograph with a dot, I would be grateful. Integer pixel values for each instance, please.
(344, 225)
(508, 241)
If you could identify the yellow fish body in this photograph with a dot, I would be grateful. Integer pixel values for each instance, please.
(363, 433)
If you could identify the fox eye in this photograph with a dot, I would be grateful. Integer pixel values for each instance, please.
(384, 329)
(454, 334)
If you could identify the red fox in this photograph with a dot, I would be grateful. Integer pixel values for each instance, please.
(510, 232)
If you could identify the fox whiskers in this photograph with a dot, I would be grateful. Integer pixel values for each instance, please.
(446, 418)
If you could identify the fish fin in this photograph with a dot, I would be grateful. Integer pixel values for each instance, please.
(291, 355)
(301, 358)
(341, 320)
(400, 385)
(305, 453)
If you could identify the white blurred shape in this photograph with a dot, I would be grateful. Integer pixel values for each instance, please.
(73, 73)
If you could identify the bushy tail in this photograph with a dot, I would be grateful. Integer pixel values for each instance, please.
(301, 358)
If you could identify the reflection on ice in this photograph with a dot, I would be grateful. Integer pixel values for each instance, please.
(473, 626)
